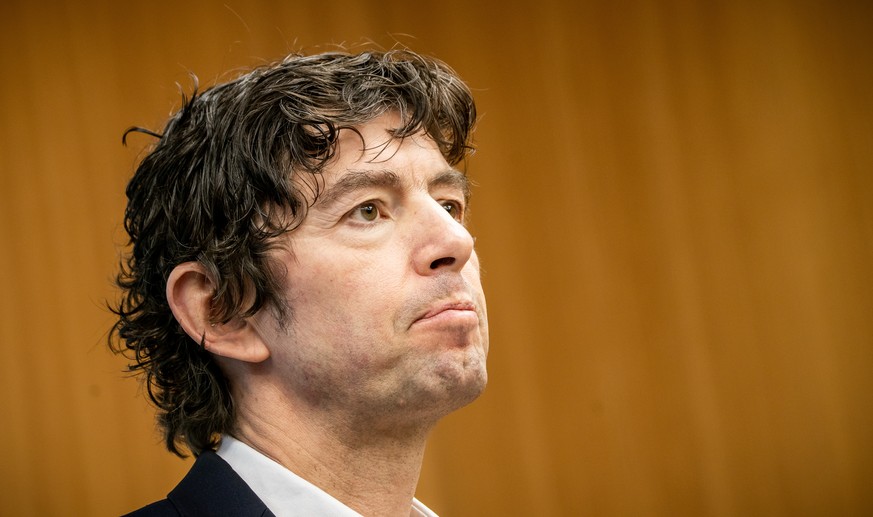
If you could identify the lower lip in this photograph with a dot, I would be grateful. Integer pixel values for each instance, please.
(451, 317)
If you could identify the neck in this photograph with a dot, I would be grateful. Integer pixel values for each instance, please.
(372, 473)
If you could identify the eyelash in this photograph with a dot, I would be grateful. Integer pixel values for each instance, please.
(457, 206)
(377, 208)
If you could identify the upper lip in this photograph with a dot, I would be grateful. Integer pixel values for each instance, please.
(453, 305)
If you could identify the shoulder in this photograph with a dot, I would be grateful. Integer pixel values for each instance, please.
(158, 509)
(210, 488)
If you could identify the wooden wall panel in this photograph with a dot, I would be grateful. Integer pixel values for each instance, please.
(674, 213)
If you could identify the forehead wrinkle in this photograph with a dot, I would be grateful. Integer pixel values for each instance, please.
(354, 180)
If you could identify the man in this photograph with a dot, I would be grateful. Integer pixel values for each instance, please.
(302, 295)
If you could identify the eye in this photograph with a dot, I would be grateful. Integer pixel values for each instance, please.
(454, 209)
(367, 212)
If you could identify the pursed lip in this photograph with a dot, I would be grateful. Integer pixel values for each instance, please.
(441, 308)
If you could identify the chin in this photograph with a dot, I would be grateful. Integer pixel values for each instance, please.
(423, 402)
(461, 382)
(442, 383)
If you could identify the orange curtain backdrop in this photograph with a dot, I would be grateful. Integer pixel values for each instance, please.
(674, 212)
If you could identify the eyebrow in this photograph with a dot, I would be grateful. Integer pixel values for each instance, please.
(355, 180)
(452, 178)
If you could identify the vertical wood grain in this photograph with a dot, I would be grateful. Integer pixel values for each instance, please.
(674, 212)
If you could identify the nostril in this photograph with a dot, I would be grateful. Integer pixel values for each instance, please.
(445, 261)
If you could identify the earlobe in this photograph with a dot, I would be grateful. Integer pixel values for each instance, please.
(190, 289)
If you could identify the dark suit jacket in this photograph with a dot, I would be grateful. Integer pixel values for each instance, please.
(211, 488)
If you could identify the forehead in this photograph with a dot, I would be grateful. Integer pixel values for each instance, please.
(373, 144)
(369, 155)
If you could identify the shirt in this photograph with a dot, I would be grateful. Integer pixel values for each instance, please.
(285, 493)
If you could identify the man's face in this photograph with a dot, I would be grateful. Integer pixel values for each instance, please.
(387, 314)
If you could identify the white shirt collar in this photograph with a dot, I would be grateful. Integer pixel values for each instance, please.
(285, 493)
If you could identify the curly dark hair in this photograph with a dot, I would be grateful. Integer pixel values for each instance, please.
(217, 188)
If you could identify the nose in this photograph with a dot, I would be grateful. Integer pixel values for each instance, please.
(441, 242)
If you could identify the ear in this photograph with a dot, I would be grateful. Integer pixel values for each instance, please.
(190, 289)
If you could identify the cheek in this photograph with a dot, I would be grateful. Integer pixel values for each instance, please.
(345, 296)
(474, 280)
(471, 268)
